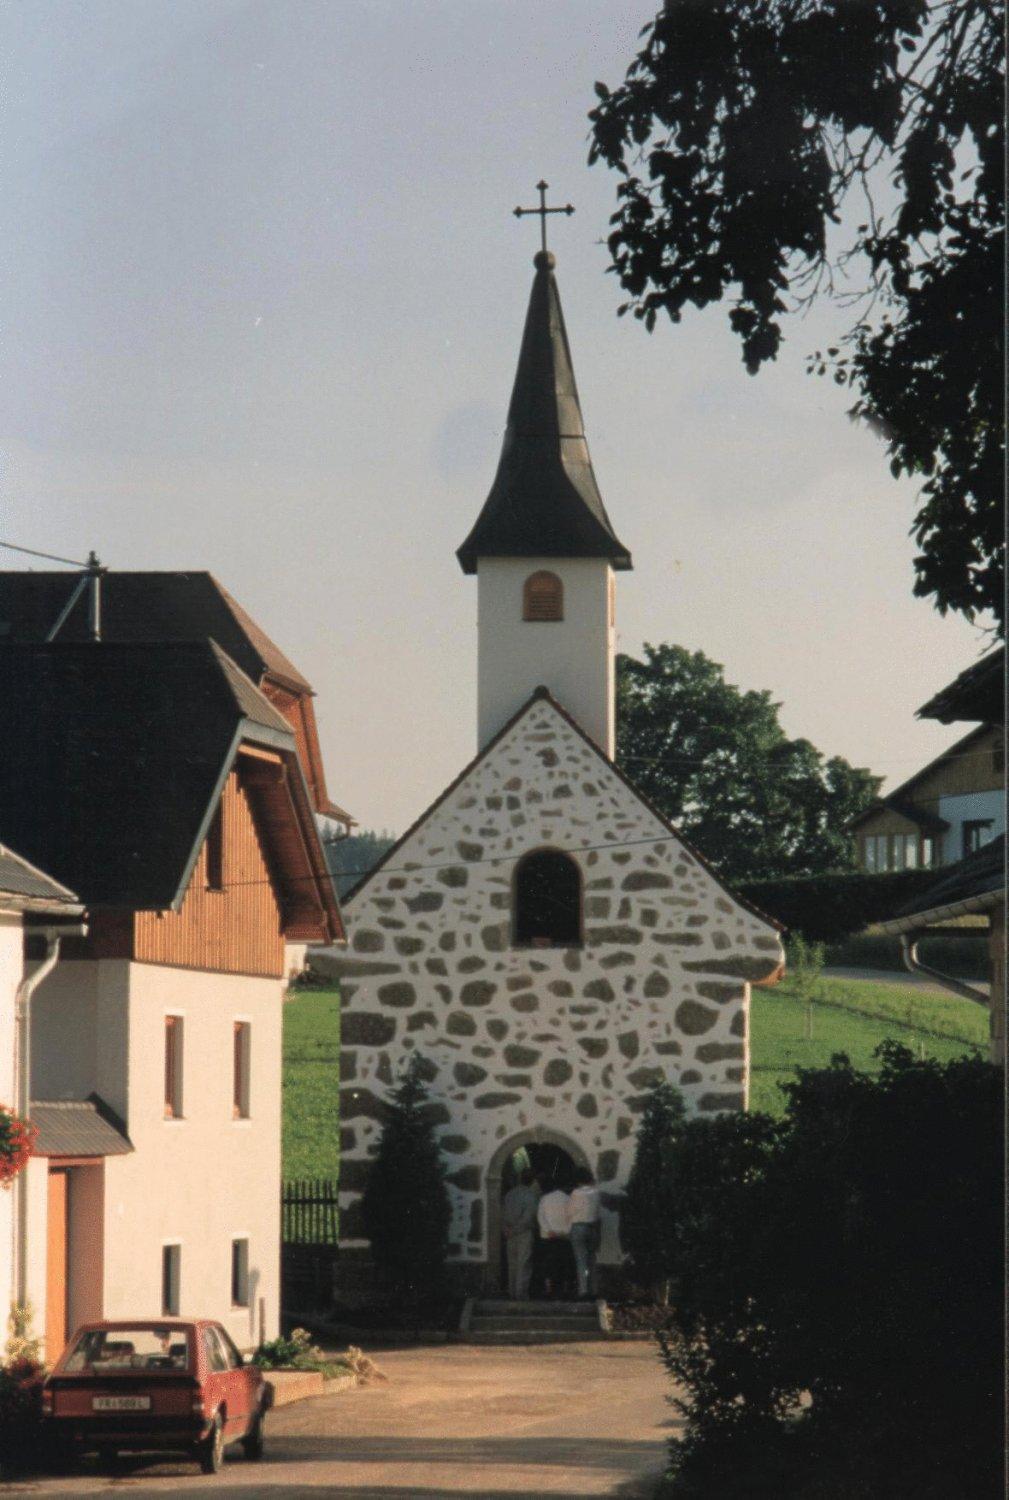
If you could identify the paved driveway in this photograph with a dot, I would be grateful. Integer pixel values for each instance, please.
(572, 1420)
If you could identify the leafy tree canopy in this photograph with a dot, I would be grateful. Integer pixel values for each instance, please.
(745, 130)
(352, 857)
(718, 764)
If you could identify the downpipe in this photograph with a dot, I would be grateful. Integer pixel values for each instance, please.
(23, 1073)
(909, 949)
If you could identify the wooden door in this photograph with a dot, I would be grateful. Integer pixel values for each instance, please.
(56, 1265)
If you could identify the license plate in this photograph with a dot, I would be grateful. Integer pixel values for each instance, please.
(120, 1403)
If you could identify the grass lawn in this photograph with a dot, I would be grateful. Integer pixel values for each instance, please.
(853, 1017)
(311, 1139)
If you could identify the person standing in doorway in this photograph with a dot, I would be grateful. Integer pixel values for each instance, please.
(583, 1213)
(518, 1222)
(553, 1217)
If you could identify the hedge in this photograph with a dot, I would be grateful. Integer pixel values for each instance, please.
(828, 908)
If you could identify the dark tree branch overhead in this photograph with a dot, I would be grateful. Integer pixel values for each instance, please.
(748, 135)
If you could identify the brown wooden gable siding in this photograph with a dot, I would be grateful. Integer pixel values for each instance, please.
(299, 712)
(236, 930)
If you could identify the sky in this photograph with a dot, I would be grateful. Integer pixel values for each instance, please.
(263, 295)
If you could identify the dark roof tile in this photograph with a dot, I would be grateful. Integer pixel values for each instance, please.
(544, 501)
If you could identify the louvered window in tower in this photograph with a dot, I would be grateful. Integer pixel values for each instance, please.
(543, 597)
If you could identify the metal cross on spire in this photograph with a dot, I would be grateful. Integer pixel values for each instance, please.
(543, 211)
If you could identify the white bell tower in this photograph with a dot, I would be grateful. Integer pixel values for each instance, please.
(543, 548)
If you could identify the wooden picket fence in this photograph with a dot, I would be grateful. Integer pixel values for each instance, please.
(308, 1251)
(308, 1208)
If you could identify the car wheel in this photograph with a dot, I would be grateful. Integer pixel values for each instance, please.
(252, 1442)
(211, 1450)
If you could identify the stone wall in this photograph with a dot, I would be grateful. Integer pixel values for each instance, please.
(521, 1040)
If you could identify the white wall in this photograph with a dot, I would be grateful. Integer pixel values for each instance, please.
(206, 1178)
(573, 657)
(10, 976)
(201, 1180)
(965, 809)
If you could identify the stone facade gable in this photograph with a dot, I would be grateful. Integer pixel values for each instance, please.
(563, 1040)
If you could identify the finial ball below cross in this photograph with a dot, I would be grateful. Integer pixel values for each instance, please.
(543, 260)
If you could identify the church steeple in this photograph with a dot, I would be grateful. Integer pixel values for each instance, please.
(543, 548)
(544, 501)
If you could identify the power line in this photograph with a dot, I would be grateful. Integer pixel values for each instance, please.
(49, 556)
(490, 859)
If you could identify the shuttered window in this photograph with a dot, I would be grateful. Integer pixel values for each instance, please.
(543, 597)
(173, 1067)
(239, 1273)
(241, 1049)
(171, 1277)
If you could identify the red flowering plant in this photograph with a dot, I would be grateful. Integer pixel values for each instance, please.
(17, 1136)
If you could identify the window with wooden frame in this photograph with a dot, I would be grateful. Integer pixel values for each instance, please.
(547, 901)
(173, 1067)
(241, 1059)
(543, 597)
(171, 1280)
(215, 849)
(240, 1273)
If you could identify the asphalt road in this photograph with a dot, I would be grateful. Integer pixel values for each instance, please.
(571, 1421)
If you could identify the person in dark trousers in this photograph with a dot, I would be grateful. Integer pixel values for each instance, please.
(553, 1219)
(583, 1217)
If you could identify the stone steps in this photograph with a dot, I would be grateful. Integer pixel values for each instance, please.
(495, 1321)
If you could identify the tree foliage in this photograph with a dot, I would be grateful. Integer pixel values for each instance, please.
(645, 1210)
(773, 151)
(405, 1203)
(351, 858)
(852, 1254)
(718, 764)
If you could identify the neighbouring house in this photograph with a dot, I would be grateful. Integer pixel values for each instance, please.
(942, 813)
(973, 888)
(30, 902)
(182, 607)
(542, 936)
(159, 783)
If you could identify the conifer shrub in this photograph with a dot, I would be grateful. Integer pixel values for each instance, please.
(837, 1285)
(646, 1214)
(405, 1203)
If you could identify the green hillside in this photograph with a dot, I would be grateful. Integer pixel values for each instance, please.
(311, 1141)
(853, 1016)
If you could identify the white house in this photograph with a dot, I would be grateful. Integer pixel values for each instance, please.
(541, 935)
(29, 900)
(165, 789)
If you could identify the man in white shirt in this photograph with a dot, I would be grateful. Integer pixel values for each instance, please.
(552, 1216)
(518, 1222)
(583, 1217)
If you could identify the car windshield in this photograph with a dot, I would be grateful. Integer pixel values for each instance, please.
(150, 1347)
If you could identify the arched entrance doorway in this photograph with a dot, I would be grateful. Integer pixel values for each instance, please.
(545, 1151)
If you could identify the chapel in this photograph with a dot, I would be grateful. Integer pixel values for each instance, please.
(541, 936)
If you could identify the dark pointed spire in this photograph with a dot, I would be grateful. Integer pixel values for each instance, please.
(544, 501)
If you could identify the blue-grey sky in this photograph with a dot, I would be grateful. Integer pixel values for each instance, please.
(263, 299)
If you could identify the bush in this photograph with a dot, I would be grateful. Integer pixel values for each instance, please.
(296, 1352)
(827, 908)
(405, 1203)
(848, 1255)
(20, 1414)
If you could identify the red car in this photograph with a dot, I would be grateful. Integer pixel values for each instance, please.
(168, 1384)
